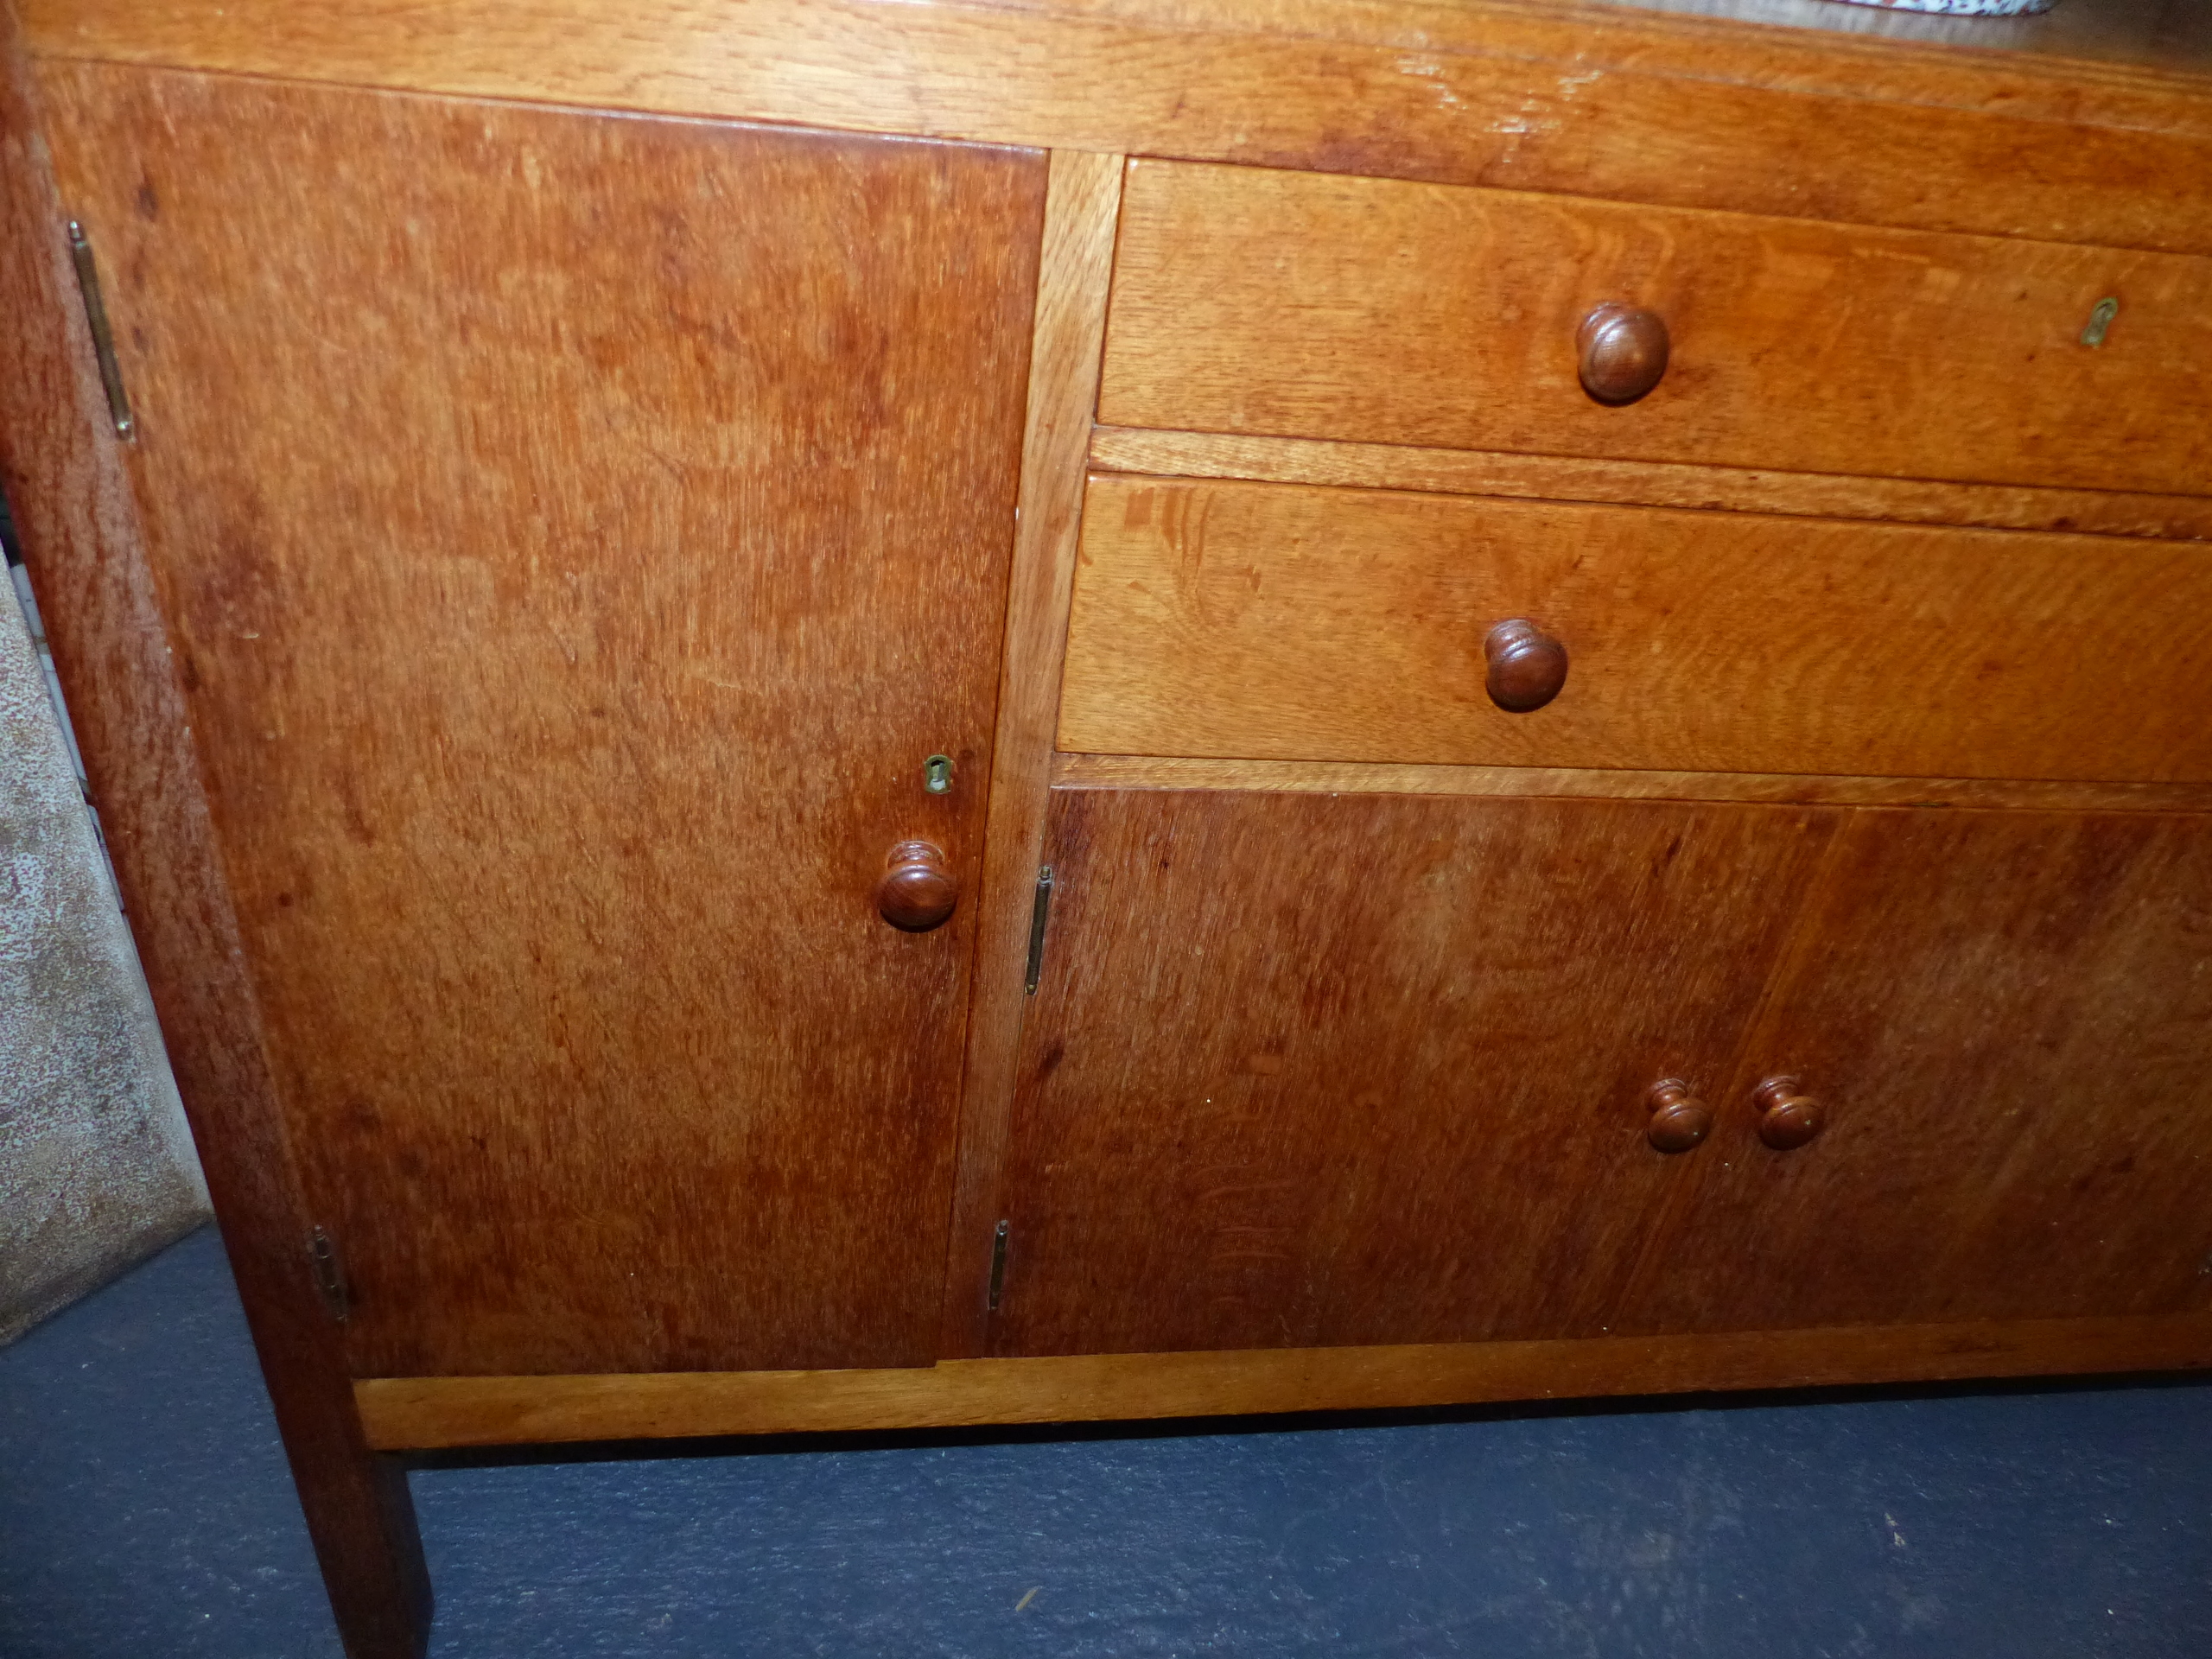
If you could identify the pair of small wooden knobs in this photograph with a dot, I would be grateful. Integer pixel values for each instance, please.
(1787, 1117)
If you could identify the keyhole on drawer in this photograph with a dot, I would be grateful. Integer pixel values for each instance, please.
(937, 774)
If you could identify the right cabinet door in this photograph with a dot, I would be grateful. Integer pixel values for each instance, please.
(2006, 1018)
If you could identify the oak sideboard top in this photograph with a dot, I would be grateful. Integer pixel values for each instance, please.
(1601, 100)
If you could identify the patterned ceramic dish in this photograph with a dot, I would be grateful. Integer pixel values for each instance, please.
(1961, 8)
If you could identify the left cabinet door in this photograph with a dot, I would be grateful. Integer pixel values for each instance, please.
(578, 532)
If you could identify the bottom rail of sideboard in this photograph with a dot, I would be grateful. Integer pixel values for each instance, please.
(422, 1413)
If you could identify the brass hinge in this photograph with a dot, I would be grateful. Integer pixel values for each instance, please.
(998, 1266)
(88, 284)
(1038, 913)
(329, 1276)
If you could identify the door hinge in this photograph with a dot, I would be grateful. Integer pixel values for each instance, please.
(88, 284)
(998, 1267)
(329, 1276)
(1038, 913)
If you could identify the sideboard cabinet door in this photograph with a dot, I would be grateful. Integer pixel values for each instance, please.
(2006, 1020)
(1312, 1070)
(579, 532)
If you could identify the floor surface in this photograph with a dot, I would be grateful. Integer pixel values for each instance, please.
(144, 1511)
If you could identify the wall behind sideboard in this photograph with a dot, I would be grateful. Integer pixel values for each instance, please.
(97, 1169)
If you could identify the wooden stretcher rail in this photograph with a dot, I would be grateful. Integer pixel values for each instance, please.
(404, 1414)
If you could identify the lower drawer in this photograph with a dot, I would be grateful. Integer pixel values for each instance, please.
(1280, 622)
(1307, 1070)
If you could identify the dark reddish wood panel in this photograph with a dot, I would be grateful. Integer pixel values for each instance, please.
(575, 533)
(2007, 1017)
(1310, 1069)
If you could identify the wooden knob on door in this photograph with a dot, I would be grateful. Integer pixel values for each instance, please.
(1527, 665)
(1680, 1121)
(1624, 352)
(1786, 1118)
(917, 892)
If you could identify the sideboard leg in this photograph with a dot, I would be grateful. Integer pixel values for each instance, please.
(362, 1521)
(360, 1514)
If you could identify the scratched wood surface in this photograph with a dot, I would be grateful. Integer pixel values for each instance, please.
(2005, 1015)
(1522, 94)
(576, 534)
(1308, 1069)
(1274, 304)
(1270, 621)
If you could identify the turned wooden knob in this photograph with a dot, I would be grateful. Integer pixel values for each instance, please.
(1680, 1120)
(1786, 1118)
(1624, 352)
(917, 892)
(1527, 665)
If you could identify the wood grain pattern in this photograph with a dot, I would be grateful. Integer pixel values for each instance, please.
(2004, 1018)
(1306, 1071)
(1274, 622)
(1659, 484)
(63, 475)
(1586, 99)
(576, 535)
(1247, 300)
(1074, 269)
(417, 1413)
(1566, 783)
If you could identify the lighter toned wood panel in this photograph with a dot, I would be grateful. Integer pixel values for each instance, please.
(2005, 1018)
(1355, 778)
(576, 534)
(1315, 1070)
(1278, 622)
(421, 1413)
(1715, 46)
(1576, 478)
(1593, 102)
(1072, 276)
(1252, 301)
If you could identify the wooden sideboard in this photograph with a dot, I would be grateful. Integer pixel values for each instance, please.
(854, 715)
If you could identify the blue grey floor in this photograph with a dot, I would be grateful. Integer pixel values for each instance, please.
(145, 1510)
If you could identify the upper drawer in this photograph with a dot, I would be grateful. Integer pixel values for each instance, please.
(1260, 621)
(1313, 305)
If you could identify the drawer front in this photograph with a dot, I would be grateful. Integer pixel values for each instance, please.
(1249, 301)
(1276, 622)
